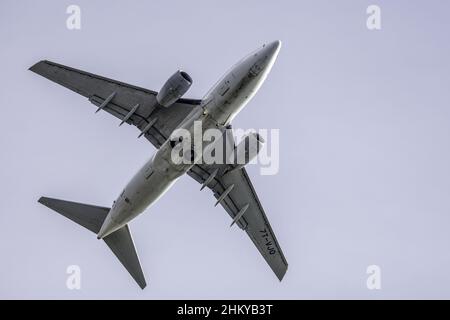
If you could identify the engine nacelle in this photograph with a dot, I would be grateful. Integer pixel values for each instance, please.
(174, 88)
(247, 149)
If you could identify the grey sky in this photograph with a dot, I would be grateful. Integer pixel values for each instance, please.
(364, 158)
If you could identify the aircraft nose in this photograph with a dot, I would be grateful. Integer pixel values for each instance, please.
(274, 47)
(270, 50)
(264, 59)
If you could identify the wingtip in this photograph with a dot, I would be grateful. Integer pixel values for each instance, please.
(35, 67)
(281, 275)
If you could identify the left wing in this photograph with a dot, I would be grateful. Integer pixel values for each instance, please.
(131, 104)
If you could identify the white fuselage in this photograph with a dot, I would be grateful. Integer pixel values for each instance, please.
(219, 106)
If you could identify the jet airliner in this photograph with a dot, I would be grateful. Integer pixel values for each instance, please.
(157, 115)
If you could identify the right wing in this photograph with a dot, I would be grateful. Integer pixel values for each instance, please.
(119, 99)
(252, 219)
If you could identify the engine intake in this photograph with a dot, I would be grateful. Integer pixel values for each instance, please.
(174, 88)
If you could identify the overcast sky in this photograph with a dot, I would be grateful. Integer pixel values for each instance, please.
(364, 149)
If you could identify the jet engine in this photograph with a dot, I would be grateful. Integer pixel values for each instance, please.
(247, 149)
(174, 88)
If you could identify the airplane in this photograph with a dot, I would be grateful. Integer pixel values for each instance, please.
(157, 115)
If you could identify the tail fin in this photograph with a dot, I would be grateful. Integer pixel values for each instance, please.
(91, 217)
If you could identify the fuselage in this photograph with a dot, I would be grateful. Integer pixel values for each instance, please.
(219, 106)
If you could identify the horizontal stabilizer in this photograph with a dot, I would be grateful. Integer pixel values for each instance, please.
(88, 216)
(121, 244)
(91, 217)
